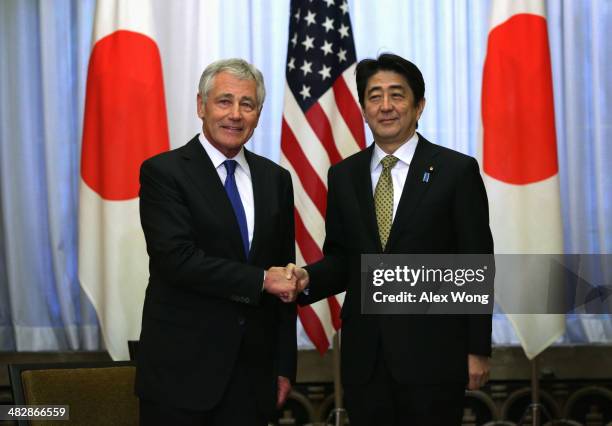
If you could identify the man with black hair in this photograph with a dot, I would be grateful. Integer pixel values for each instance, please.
(411, 369)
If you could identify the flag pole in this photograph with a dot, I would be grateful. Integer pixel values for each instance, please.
(535, 408)
(535, 393)
(338, 412)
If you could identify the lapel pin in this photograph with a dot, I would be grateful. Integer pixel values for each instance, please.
(426, 177)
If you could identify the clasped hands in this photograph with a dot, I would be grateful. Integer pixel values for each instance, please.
(286, 282)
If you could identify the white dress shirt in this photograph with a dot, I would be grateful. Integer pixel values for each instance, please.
(399, 172)
(243, 179)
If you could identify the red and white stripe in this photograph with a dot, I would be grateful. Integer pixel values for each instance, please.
(331, 130)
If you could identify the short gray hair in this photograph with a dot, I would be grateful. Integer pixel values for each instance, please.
(237, 67)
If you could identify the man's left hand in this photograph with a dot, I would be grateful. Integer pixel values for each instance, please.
(284, 387)
(478, 368)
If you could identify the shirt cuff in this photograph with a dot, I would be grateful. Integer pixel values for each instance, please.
(263, 283)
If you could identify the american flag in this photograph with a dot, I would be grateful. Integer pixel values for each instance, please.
(322, 124)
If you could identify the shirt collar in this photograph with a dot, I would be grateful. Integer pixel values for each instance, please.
(218, 158)
(404, 153)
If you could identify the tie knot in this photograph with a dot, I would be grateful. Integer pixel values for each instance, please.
(389, 161)
(230, 166)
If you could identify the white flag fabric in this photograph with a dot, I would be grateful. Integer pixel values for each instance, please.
(124, 123)
(519, 154)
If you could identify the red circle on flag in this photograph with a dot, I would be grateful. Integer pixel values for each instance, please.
(519, 143)
(125, 113)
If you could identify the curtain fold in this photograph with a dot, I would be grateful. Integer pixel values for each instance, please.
(39, 162)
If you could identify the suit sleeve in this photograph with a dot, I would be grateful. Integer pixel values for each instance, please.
(329, 275)
(287, 312)
(169, 231)
(471, 216)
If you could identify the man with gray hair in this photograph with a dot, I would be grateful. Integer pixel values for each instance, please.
(218, 343)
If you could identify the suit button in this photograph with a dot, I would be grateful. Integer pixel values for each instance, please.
(241, 321)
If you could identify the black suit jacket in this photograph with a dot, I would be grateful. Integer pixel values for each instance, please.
(204, 301)
(447, 214)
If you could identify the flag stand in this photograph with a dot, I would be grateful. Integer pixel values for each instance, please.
(338, 413)
(535, 408)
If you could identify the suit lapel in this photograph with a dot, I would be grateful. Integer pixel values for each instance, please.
(200, 168)
(362, 180)
(416, 185)
(258, 179)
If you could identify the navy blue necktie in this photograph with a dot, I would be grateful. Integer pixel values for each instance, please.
(234, 197)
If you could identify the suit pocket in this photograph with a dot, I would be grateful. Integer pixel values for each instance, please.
(173, 314)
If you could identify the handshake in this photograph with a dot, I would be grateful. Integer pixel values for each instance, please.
(286, 282)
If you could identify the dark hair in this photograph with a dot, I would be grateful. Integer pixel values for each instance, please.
(366, 68)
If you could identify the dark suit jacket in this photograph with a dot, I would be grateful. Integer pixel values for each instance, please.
(448, 214)
(204, 301)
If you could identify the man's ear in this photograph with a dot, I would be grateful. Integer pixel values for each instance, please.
(420, 108)
(200, 106)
